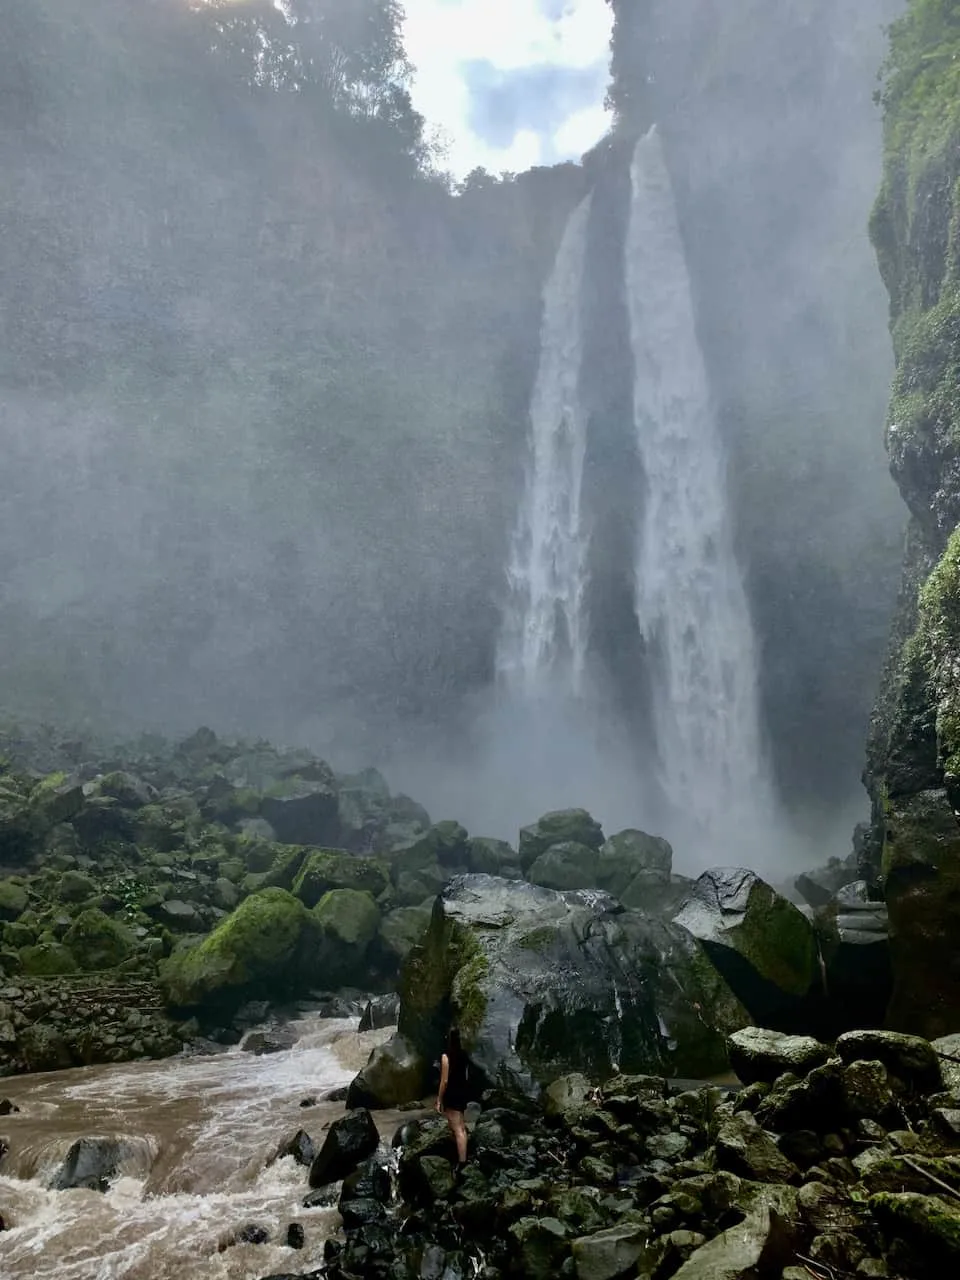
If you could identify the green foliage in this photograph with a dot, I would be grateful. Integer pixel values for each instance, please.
(935, 646)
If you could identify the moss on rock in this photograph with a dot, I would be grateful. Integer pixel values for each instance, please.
(327, 869)
(256, 947)
(97, 942)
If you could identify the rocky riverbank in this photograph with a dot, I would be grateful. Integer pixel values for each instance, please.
(830, 1161)
(178, 885)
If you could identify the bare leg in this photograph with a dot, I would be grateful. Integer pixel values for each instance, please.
(459, 1131)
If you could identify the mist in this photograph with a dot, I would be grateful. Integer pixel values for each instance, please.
(267, 378)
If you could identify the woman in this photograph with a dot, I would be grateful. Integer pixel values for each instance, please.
(452, 1097)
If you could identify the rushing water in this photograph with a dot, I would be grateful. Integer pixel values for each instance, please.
(205, 1131)
(544, 637)
(691, 601)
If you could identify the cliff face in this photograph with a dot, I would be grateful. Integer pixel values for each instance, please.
(913, 770)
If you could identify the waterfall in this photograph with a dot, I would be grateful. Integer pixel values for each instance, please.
(544, 635)
(691, 602)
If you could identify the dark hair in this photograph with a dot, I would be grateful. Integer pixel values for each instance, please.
(454, 1046)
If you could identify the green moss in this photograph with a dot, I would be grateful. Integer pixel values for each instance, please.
(537, 939)
(925, 1226)
(328, 869)
(427, 1001)
(350, 917)
(469, 996)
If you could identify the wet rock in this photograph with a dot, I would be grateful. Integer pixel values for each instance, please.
(92, 1163)
(252, 1233)
(866, 1092)
(349, 1141)
(300, 1146)
(7, 1107)
(308, 1102)
(762, 1244)
(566, 1092)
(333, 1095)
(326, 869)
(544, 983)
(295, 1236)
(947, 1049)
(395, 1073)
(761, 1055)
(610, 1253)
(910, 1060)
(744, 1148)
(541, 1245)
(275, 1040)
(13, 900)
(921, 1232)
(380, 1012)
(759, 942)
(402, 929)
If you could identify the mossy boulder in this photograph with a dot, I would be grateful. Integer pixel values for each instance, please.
(304, 810)
(284, 867)
(559, 827)
(402, 929)
(635, 867)
(489, 857)
(921, 1232)
(47, 960)
(13, 900)
(543, 983)
(264, 945)
(763, 945)
(565, 866)
(326, 869)
(75, 887)
(98, 942)
(347, 921)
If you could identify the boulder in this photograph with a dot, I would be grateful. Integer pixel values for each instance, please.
(747, 1150)
(759, 1054)
(567, 865)
(947, 1049)
(609, 1253)
(488, 857)
(349, 1141)
(761, 1245)
(762, 944)
(92, 1163)
(562, 826)
(347, 922)
(47, 960)
(180, 916)
(75, 887)
(300, 1146)
(544, 982)
(304, 810)
(921, 1232)
(98, 942)
(631, 856)
(13, 900)
(818, 888)
(327, 869)
(402, 929)
(911, 1060)
(267, 943)
(394, 1075)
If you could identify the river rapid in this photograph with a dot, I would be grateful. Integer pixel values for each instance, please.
(204, 1131)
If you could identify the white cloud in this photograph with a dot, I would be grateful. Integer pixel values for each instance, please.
(443, 35)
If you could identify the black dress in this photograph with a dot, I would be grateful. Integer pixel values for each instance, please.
(457, 1093)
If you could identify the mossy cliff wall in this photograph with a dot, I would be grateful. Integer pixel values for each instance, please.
(913, 769)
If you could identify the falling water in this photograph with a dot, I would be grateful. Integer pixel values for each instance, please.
(691, 601)
(544, 636)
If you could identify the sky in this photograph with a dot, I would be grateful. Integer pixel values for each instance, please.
(510, 83)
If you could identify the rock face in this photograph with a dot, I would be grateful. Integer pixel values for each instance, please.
(759, 1055)
(762, 944)
(348, 1142)
(545, 982)
(914, 750)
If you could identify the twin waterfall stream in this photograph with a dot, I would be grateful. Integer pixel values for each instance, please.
(691, 606)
